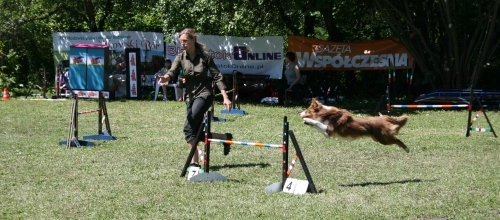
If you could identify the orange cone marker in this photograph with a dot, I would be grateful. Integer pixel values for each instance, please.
(5, 94)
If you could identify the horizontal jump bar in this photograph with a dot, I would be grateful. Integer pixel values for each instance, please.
(430, 106)
(258, 144)
(89, 111)
(481, 129)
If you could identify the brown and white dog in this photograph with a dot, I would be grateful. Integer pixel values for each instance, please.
(334, 122)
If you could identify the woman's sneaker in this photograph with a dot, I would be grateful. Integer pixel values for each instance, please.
(194, 165)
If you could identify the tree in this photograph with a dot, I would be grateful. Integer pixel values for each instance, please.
(242, 18)
(92, 13)
(452, 41)
(23, 29)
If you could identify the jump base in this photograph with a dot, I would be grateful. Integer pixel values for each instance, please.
(233, 111)
(273, 188)
(81, 142)
(208, 177)
(102, 137)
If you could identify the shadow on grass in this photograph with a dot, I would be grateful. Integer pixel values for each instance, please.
(261, 165)
(386, 183)
(221, 118)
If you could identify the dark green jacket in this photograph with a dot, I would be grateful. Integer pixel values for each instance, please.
(199, 83)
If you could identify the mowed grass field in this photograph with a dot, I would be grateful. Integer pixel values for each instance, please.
(445, 176)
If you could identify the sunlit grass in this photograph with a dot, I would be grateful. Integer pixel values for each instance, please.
(445, 176)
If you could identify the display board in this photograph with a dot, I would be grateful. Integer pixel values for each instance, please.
(88, 65)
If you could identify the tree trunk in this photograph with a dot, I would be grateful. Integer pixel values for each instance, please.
(309, 25)
(334, 33)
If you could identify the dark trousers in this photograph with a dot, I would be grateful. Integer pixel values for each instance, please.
(196, 109)
(296, 92)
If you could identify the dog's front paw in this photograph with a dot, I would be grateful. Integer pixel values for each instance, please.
(308, 121)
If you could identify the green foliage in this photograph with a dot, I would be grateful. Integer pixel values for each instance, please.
(27, 26)
(5, 80)
(9, 67)
(451, 40)
(232, 18)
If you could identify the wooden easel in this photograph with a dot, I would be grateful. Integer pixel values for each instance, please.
(72, 140)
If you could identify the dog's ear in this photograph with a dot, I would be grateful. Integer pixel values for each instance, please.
(315, 104)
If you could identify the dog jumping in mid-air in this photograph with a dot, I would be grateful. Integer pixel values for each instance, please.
(334, 122)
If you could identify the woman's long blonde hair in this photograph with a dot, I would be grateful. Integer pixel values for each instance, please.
(192, 35)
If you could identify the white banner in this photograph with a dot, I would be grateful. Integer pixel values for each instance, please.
(150, 43)
(248, 55)
(117, 40)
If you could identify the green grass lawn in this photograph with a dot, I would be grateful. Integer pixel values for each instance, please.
(445, 176)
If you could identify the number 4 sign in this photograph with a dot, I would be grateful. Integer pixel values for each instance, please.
(295, 186)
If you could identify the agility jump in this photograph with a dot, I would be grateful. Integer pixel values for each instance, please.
(430, 106)
(72, 139)
(286, 169)
(214, 118)
(391, 89)
(236, 103)
(445, 106)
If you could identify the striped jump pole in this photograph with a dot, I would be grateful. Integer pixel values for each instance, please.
(388, 100)
(478, 129)
(481, 129)
(391, 78)
(292, 164)
(201, 155)
(476, 117)
(431, 106)
(410, 79)
(90, 111)
(257, 144)
(394, 79)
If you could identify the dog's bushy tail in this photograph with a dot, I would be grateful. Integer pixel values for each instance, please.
(399, 121)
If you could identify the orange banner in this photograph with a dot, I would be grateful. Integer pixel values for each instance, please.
(314, 54)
